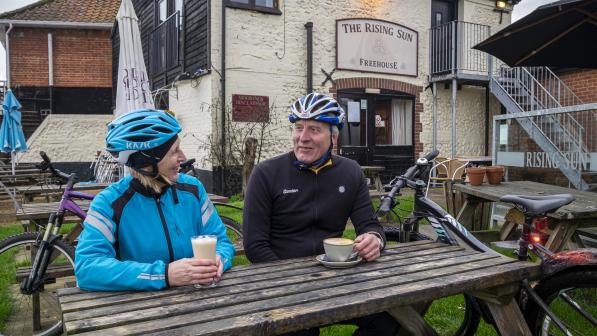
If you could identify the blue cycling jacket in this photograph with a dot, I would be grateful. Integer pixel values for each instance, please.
(131, 234)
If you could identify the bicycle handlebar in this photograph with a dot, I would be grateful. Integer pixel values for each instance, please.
(412, 172)
(186, 166)
(47, 164)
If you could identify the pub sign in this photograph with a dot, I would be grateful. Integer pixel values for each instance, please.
(376, 46)
(250, 108)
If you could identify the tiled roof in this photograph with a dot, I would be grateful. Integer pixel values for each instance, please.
(92, 11)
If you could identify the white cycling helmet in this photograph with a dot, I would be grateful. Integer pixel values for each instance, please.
(318, 107)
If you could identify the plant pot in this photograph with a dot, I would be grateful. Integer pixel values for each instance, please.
(475, 175)
(495, 174)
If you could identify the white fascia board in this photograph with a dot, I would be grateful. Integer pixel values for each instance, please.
(58, 24)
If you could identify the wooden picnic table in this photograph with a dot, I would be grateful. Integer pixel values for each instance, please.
(372, 173)
(294, 294)
(30, 192)
(582, 213)
(36, 212)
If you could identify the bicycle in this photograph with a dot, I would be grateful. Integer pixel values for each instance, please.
(46, 260)
(50, 265)
(568, 278)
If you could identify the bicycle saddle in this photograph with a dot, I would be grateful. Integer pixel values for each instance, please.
(538, 205)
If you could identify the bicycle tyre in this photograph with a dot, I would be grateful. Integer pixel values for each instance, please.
(472, 317)
(20, 320)
(581, 285)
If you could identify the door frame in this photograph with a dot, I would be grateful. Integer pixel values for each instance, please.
(359, 94)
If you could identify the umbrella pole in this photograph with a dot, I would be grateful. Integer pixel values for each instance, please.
(12, 161)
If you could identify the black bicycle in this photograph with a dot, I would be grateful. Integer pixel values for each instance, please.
(562, 301)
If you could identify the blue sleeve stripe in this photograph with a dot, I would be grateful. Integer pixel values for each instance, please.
(101, 227)
(205, 205)
(101, 217)
(146, 276)
(205, 216)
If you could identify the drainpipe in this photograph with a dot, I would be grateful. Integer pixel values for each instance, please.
(223, 97)
(434, 113)
(487, 121)
(8, 56)
(51, 71)
(309, 27)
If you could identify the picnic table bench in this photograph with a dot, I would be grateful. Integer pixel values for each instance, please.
(294, 294)
(580, 214)
(38, 213)
(30, 192)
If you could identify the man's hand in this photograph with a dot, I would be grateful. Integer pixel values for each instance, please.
(368, 246)
(189, 271)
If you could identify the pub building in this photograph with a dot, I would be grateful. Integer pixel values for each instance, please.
(404, 71)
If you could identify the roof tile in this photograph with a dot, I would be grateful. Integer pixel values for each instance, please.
(93, 11)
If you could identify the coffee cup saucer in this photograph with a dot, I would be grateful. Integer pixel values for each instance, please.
(338, 264)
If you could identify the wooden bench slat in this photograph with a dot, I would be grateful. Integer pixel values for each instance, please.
(53, 271)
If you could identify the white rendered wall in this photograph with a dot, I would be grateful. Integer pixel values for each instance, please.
(68, 138)
(266, 55)
(191, 102)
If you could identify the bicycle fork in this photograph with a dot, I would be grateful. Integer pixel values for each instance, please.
(32, 283)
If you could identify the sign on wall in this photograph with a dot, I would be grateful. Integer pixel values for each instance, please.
(376, 46)
(250, 108)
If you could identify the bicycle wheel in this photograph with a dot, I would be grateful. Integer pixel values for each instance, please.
(38, 313)
(234, 230)
(561, 292)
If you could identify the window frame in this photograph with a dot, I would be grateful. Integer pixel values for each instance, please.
(251, 6)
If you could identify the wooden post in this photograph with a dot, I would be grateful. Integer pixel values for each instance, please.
(250, 152)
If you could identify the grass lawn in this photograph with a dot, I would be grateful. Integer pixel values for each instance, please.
(444, 315)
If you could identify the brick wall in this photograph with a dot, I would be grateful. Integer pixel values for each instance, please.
(82, 58)
(583, 83)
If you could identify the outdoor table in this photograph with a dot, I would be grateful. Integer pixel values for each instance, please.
(294, 294)
(476, 160)
(582, 213)
(372, 172)
(30, 192)
(38, 213)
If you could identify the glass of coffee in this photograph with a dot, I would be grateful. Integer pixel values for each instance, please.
(204, 247)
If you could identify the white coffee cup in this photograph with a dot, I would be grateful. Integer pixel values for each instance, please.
(338, 249)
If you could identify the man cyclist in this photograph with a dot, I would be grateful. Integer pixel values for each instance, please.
(296, 200)
(138, 231)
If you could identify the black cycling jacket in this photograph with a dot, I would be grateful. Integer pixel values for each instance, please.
(289, 212)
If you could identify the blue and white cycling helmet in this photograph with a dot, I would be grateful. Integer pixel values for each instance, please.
(318, 107)
(140, 131)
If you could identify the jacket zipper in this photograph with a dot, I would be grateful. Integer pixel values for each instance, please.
(165, 226)
(313, 241)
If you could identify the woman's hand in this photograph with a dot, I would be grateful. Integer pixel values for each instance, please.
(190, 271)
(220, 265)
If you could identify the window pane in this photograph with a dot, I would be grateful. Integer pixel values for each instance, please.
(264, 3)
(178, 5)
(163, 8)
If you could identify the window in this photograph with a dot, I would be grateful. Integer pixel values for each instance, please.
(163, 11)
(264, 6)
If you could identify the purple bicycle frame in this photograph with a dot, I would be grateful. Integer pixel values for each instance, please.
(66, 203)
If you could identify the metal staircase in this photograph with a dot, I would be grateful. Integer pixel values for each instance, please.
(525, 90)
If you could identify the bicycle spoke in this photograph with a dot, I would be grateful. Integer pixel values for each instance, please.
(578, 308)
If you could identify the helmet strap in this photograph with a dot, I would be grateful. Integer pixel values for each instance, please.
(142, 161)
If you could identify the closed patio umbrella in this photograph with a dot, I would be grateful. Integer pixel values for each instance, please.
(12, 139)
(562, 34)
(132, 90)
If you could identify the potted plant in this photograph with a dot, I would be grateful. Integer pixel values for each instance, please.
(495, 174)
(475, 175)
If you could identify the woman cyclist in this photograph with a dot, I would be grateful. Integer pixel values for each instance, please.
(138, 231)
